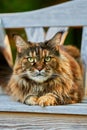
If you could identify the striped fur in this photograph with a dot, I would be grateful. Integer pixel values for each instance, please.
(46, 74)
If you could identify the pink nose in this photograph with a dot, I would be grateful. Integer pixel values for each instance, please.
(39, 67)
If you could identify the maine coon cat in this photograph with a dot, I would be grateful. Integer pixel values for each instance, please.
(46, 73)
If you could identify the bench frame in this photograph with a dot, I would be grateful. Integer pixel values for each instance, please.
(72, 14)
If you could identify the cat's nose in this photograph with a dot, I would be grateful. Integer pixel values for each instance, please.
(40, 67)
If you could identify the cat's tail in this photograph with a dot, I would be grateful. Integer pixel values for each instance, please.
(73, 51)
(5, 71)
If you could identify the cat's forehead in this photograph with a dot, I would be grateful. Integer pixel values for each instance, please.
(37, 50)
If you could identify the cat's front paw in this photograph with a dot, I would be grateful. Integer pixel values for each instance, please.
(31, 100)
(47, 100)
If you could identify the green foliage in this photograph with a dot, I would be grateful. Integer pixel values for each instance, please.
(25, 5)
(74, 37)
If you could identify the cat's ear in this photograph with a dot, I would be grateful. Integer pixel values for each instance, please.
(20, 43)
(59, 38)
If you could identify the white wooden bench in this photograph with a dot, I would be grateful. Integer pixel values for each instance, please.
(17, 116)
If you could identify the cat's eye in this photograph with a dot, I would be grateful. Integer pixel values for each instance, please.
(30, 59)
(47, 59)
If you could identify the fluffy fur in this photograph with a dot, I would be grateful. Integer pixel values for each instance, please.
(46, 73)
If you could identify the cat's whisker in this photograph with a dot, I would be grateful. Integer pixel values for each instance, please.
(54, 75)
(21, 75)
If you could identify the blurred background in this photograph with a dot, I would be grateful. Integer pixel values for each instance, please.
(10, 6)
(26, 5)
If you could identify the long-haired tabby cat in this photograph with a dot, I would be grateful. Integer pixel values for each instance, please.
(46, 73)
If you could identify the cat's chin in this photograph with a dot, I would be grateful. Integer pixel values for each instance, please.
(39, 79)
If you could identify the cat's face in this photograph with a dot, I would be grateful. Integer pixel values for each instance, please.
(37, 62)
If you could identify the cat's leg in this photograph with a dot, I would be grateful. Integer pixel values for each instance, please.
(49, 99)
(31, 100)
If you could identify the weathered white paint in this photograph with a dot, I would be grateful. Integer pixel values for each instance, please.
(72, 13)
(8, 105)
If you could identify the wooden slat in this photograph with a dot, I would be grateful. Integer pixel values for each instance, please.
(5, 45)
(8, 105)
(84, 55)
(36, 34)
(73, 13)
(30, 121)
(84, 45)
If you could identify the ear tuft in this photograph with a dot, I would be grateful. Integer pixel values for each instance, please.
(59, 38)
(20, 42)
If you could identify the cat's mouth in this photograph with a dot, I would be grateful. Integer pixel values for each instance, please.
(39, 76)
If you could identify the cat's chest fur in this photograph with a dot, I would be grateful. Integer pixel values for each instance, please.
(30, 87)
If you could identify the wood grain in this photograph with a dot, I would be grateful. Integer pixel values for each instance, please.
(73, 13)
(30, 121)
